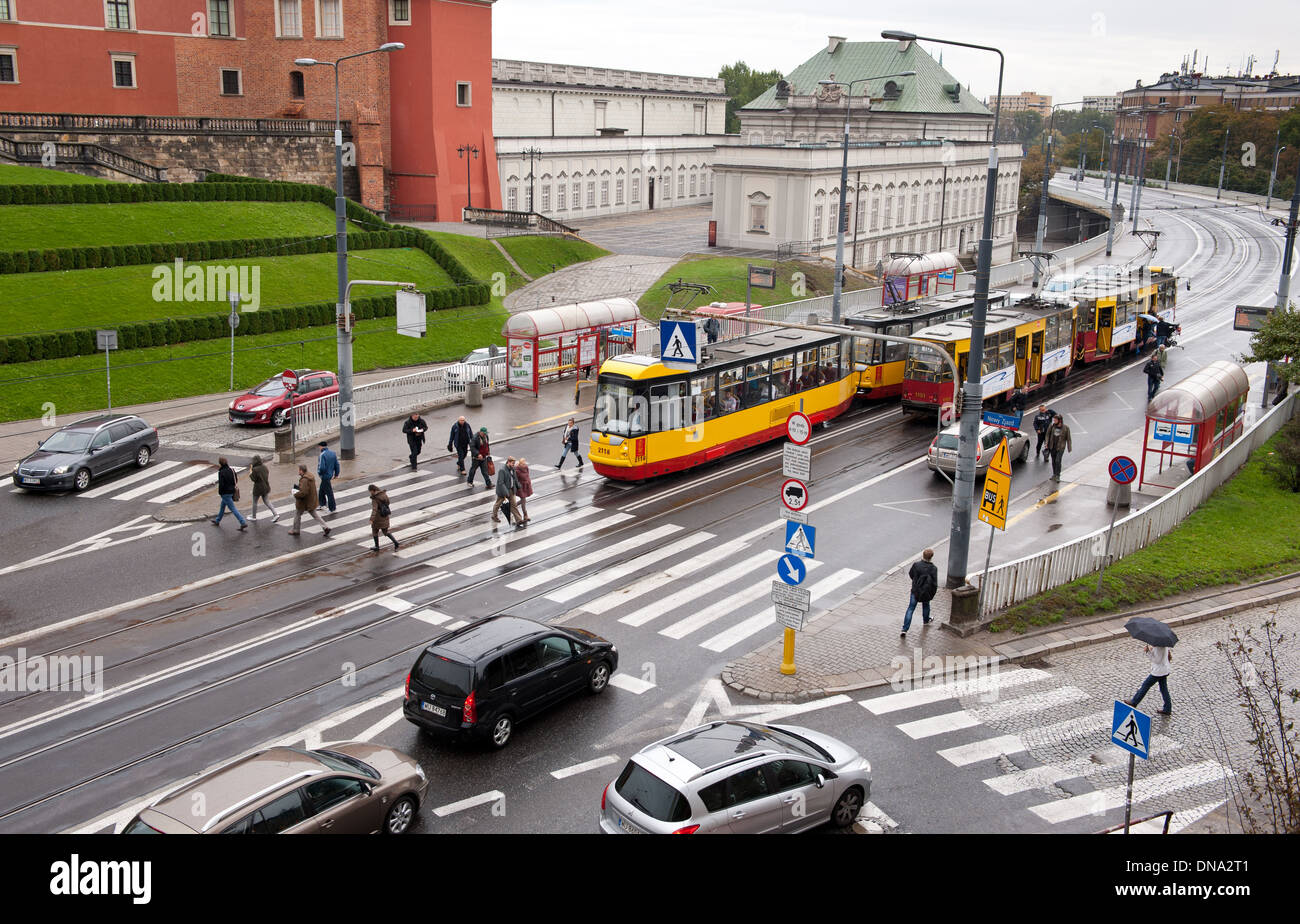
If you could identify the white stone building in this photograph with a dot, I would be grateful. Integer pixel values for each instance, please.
(604, 141)
(918, 156)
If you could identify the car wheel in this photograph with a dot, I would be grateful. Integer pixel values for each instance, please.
(503, 726)
(847, 808)
(278, 417)
(1024, 453)
(401, 816)
(82, 480)
(142, 457)
(598, 679)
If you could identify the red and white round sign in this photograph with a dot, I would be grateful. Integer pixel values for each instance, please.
(289, 378)
(794, 494)
(798, 427)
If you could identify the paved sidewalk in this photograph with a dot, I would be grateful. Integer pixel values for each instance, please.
(605, 277)
(381, 447)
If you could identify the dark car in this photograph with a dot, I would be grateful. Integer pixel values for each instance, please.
(86, 451)
(271, 402)
(479, 680)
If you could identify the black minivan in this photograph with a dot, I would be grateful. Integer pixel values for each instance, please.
(483, 678)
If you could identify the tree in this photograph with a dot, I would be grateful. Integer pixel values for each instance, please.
(743, 86)
(1278, 339)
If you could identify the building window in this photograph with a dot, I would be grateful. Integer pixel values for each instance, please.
(604, 193)
(875, 214)
(757, 216)
(667, 187)
(512, 199)
(8, 65)
(6, 11)
(577, 195)
(861, 212)
(399, 12)
(618, 192)
(889, 212)
(602, 107)
(297, 88)
(817, 223)
(219, 18)
(636, 190)
(914, 205)
(902, 201)
(681, 184)
(1178, 116)
(591, 194)
(693, 183)
(463, 95)
(123, 71)
(546, 197)
(117, 14)
(329, 18)
(1191, 99)
(560, 189)
(230, 83)
(288, 18)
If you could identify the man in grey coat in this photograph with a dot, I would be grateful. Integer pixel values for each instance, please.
(507, 489)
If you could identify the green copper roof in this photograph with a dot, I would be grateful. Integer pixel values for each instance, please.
(853, 60)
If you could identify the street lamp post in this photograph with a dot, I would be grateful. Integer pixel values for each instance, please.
(1268, 200)
(1049, 139)
(964, 486)
(1169, 156)
(347, 418)
(837, 292)
(469, 189)
(1114, 201)
(1223, 161)
(530, 153)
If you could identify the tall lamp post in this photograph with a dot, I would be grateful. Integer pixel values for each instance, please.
(837, 292)
(347, 418)
(1048, 138)
(469, 189)
(1223, 161)
(1105, 141)
(530, 153)
(1268, 200)
(963, 492)
(1116, 157)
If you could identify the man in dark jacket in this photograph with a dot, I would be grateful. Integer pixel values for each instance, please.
(1058, 441)
(327, 467)
(462, 434)
(480, 455)
(1155, 372)
(1042, 420)
(414, 429)
(226, 489)
(925, 584)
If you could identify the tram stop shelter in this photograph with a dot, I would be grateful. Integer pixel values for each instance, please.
(914, 275)
(546, 343)
(1195, 419)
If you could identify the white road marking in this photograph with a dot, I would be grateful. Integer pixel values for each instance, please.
(393, 604)
(922, 695)
(688, 594)
(1144, 788)
(616, 573)
(484, 798)
(756, 623)
(368, 734)
(558, 571)
(533, 548)
(939, 724)
(198, 484)
(118, 484)
(1042, 777)
(983, 750)
(205, 473)
(712, 692)
(585, 766)
(631, 684)
(874, 813)
(728, 604)
(432, 617)
(457, 624)
(786, 710)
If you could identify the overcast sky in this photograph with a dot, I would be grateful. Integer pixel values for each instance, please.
(1064, 50)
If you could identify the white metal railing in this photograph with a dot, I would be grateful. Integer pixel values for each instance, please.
(1015, 581)
(396, 396)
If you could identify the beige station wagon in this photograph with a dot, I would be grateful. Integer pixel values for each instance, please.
(345, 788)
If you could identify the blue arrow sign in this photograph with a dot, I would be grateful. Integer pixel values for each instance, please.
(1131, 730)
(792, 570)
(1122, 469)
(800, 539)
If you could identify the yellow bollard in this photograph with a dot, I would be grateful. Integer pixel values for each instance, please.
(787, 654)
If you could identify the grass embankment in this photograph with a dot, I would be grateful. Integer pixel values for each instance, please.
(76, 384)
(727, 276)
(36, 227)
(123, 294)
(1246, 530)
(18, 175)
(537, 255)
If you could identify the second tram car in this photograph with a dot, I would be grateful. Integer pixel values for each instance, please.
(1109, 309)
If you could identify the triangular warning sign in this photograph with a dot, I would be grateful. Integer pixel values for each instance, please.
(1001, 459)
(1129, 733)
(799, 542)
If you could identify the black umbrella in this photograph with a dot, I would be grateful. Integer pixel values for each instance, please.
(1151, 631)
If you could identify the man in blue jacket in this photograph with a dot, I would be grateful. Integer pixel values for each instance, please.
(327, 469)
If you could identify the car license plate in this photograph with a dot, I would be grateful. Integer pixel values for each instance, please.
(31, 481)
(436, 710)
(626, 826)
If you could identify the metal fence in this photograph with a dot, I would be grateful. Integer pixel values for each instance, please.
(1016, 581)
(395, 397)
(55, 121)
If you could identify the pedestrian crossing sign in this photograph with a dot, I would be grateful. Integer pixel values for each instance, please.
(677, 344)
(1131, 730)
(800, 539)
(993, 502)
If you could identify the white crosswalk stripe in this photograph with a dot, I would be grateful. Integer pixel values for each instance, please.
(613, 575)
(1105, 800)
(766, 619)
(559, 571)
(144, 474)
(703, 617)
(690, 593)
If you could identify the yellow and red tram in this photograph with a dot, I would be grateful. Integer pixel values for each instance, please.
(1109, 310)
(651, 419)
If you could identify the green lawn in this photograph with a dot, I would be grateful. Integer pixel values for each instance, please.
(33, 227)
(480, 257)
(537, 256)
(87, 298)
(18, 175)
(76, 384)
(1225, 541)
(727, 276)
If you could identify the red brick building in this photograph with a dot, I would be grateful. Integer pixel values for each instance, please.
(408, 111)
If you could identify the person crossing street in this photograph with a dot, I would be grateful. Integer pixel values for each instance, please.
(306, 500)
(380, 511)
(458, 442)
(1042, 420)
(481, 457)
(228, 491)
(327, 468)
(569, 440)
(261, 481)
(1155, 371)
(507, 489)
(1058, 442)
(415, 428)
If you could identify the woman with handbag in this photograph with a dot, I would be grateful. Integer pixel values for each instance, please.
(482, 458)
(379, 514)
(525, 489)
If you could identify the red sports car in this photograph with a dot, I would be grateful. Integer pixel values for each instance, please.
(270, 402)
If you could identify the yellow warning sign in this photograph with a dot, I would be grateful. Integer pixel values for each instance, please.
(1001, 459)
(994, 500)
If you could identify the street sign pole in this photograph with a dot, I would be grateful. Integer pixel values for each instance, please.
(1128, 796)
(799, 430)
(234, 322)
(1122, 471)
(106, 340)
(108, 378)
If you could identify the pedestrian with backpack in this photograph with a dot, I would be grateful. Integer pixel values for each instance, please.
(1155, 373)
(481, 457)
(569, 440)
(925, 584)
(379, 514)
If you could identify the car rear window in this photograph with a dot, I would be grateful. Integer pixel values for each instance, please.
(946, 441)
(651, 794)
(450, 678)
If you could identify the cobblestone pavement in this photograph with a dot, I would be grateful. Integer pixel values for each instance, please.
(606, 277)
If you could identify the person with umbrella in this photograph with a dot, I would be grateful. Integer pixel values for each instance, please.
(1160, 640)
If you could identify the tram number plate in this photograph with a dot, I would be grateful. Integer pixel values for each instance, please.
(436, 710)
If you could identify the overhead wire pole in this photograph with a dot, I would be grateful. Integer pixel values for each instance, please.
(1284, 284)
(964, 486)
(838, 291)
(1049, 139)
(1114, 202)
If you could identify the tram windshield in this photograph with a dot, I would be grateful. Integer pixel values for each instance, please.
(621, 409)
(925, 365)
